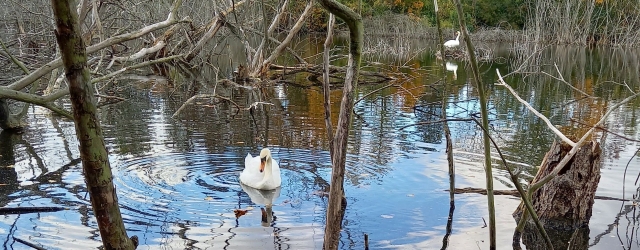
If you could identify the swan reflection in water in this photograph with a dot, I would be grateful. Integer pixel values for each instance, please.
(265, 198)
(451, 66)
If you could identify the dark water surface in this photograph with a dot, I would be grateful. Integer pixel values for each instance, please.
(177, 179)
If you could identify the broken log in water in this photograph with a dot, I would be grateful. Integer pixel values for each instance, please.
(564, 204)
(27, 210)
(34, 246)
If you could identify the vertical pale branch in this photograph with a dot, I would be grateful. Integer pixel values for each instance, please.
(325, 83)
(337, 200)
(485, 123)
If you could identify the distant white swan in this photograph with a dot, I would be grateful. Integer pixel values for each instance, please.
(261, 172)
(453, 43)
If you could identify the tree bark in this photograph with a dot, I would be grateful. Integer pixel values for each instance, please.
(337, 201)
(95, 162)
(7, 120)
(564, 204)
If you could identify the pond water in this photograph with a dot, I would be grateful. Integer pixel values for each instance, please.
(177, 179)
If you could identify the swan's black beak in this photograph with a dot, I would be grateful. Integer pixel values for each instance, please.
(262, 163)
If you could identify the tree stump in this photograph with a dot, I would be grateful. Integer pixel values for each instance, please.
(7, 120)
(564, 204)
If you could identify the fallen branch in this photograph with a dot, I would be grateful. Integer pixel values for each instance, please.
(514, 192)
(285, 43)
(272, 27)
(45, 69)
(214, 25)
(34, 246)
(319, 69)
(136, 66)
(143, 52)
(28, 210)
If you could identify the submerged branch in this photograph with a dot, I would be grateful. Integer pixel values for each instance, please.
(515, 193)
(34, 246)
(27, 210)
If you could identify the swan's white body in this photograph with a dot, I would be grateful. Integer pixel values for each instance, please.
(267, 178)
(453, 43)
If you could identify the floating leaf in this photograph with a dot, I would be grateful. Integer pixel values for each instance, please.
(240, 212)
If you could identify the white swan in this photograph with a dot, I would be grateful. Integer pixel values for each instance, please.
(453, 43)
(261, 172)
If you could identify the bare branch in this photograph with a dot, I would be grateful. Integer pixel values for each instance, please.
(25, 81)
(286, 41)
(143, 52)
(538, 114)
(193, 98)
(577, 145)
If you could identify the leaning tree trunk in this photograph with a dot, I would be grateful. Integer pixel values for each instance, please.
(337, 201)
(565, 203)
(95, 162)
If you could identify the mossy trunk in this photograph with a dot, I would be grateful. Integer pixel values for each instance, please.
(95, 162)
(564, 204)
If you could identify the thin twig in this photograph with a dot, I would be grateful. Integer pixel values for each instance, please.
(607, 131)
(555, 130)
(193, 98)
(111, 97)
(255, 104)
(561, 79)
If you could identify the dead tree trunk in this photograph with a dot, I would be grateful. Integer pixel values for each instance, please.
(565, 203)
(7, 120)
(337, 200)
(95, 162)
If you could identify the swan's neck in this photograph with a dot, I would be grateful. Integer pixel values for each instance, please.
(458, 37)
(267, 169)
